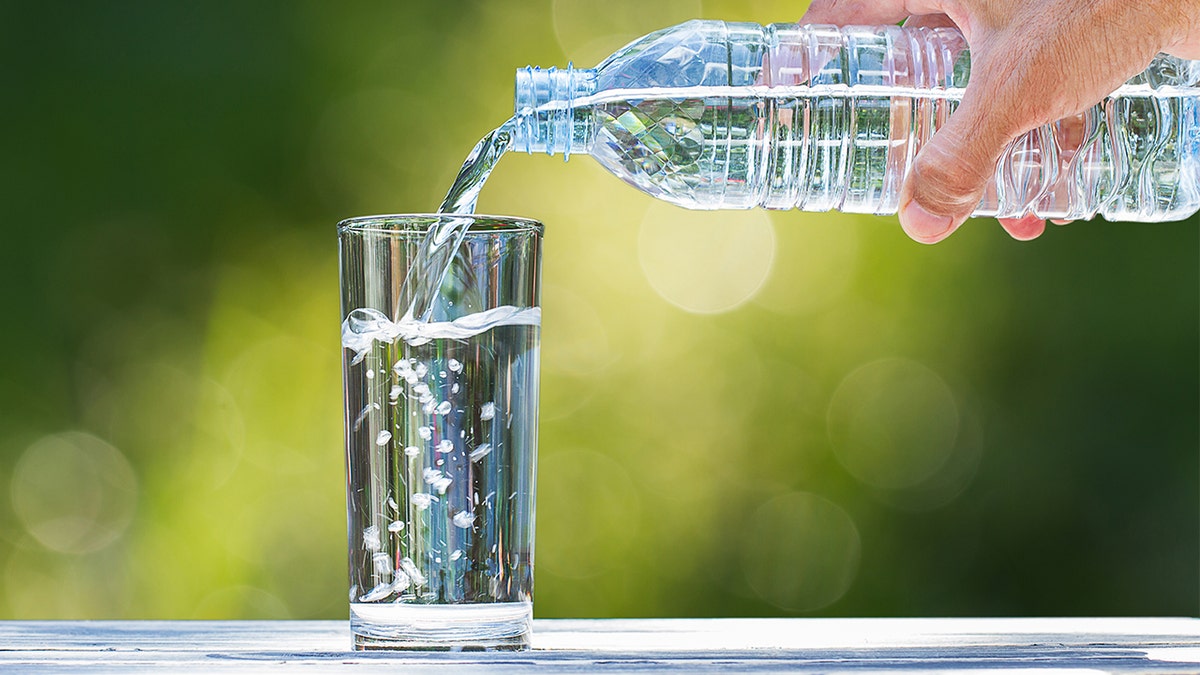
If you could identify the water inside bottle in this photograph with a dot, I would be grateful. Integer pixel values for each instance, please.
(848, 148)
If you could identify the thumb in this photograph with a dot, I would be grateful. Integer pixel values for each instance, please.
(951, 172)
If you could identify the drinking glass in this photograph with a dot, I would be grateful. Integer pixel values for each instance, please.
(440, 361)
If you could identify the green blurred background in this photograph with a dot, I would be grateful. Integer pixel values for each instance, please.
(743, 413)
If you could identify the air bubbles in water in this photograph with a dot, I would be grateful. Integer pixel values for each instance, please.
(413, 573)
(371, 538)
(401, 582)
(378, 593)
(480, 452)
(437, 480)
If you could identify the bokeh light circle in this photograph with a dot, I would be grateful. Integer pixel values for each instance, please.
(706, 262)
(893, 423)
(800, 552)
(74, 492)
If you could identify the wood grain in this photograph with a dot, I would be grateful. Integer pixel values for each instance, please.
(1142, 645)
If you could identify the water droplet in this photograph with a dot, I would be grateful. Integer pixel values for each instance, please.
(443, 408)
(464, 519)
(396, 526)
(383, 437)
(455, 365)
(487, 411)
(425, 433)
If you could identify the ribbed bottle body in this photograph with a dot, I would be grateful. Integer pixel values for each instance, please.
(711, 115)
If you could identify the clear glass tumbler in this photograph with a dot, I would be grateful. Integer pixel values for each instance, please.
(441, 429)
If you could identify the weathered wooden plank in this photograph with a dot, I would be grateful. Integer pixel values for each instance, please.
(570, 646)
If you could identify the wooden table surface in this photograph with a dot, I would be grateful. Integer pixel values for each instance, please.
(1077, 646)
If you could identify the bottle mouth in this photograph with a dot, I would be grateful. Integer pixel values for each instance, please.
(544, 109)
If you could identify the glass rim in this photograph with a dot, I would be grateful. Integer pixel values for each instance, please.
(419, 223)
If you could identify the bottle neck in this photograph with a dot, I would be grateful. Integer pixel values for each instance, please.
(547, 115)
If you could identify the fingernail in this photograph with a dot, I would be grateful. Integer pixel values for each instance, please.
(924, 226)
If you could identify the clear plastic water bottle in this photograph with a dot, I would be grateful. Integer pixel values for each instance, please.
(715, 115)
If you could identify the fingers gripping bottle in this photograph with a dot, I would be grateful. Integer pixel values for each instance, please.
(715, 115)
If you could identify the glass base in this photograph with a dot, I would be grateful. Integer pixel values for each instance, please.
(501, 626)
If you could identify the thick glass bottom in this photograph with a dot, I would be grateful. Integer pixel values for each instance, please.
(501, 626)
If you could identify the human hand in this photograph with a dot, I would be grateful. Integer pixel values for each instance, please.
(1032, 62)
